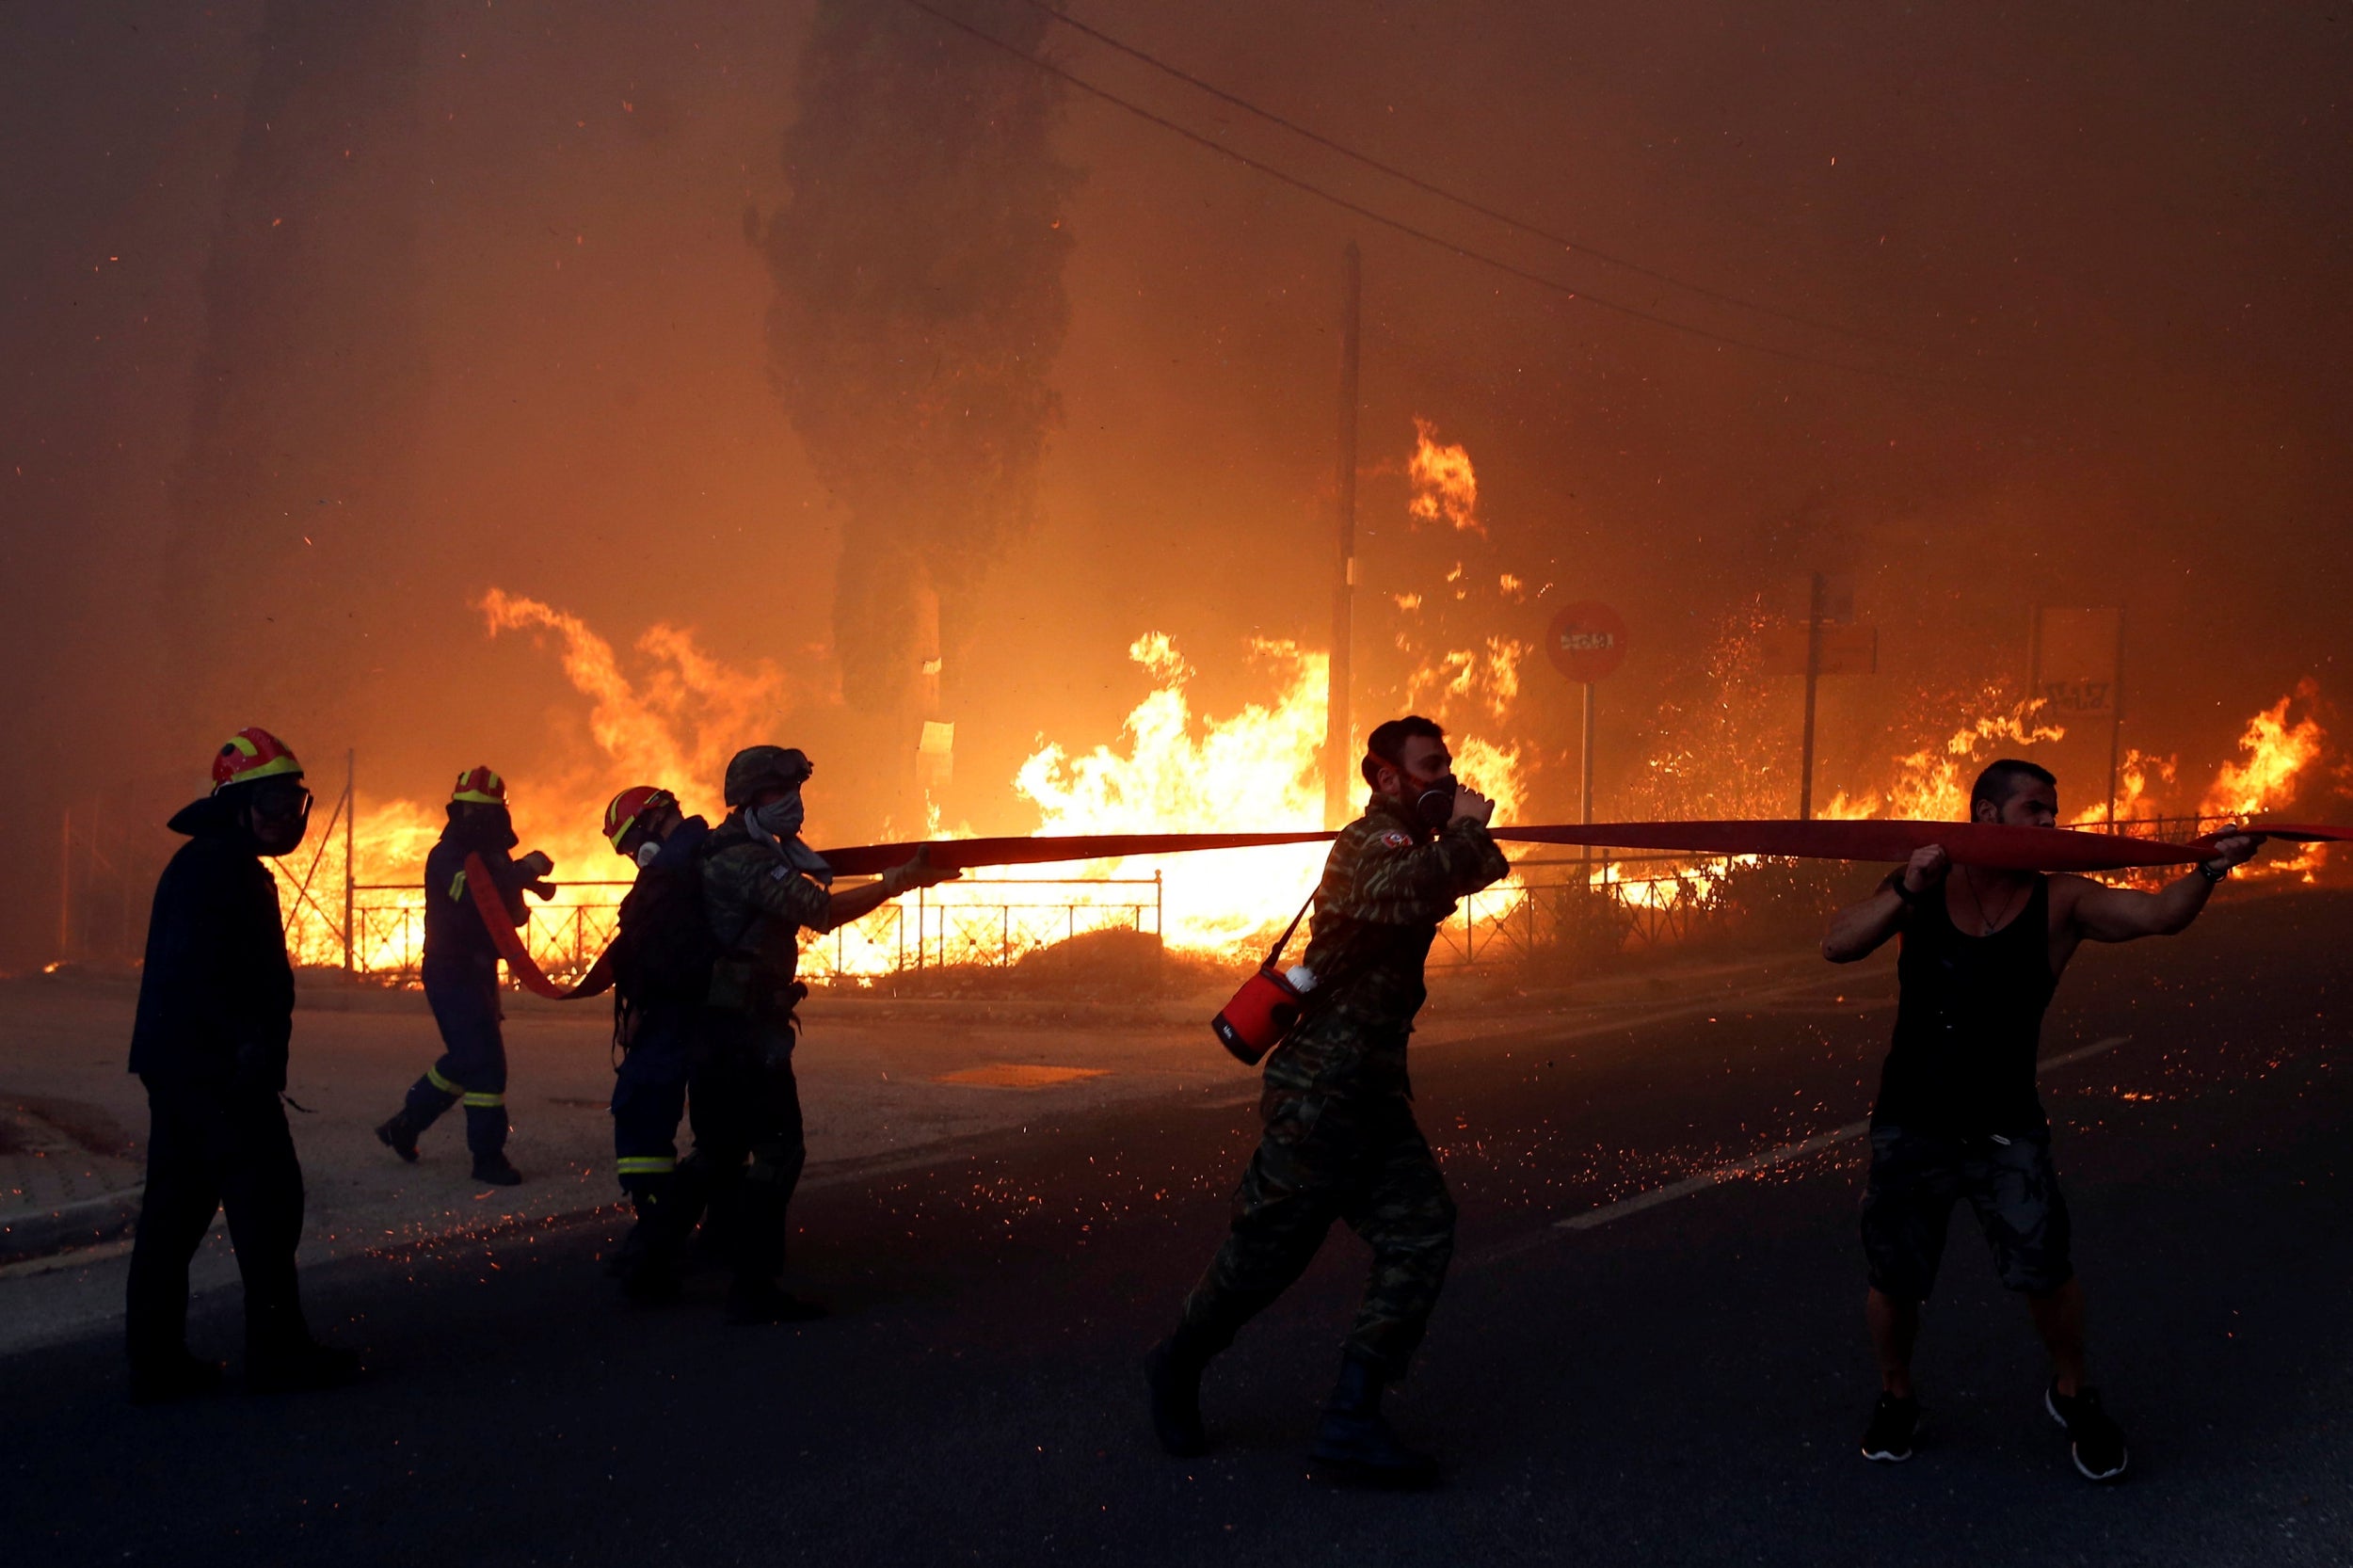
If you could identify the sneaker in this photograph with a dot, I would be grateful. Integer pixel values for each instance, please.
(400, 1136)
(1895, 1422)
(494, 1169)
(2094, 1441)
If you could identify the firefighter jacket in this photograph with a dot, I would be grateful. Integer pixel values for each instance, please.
(456, 941)
(757, 903)
(216, 993)
(1387, 885)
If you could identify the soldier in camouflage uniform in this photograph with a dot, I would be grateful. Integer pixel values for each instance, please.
(761, 885)
(1340, 1140)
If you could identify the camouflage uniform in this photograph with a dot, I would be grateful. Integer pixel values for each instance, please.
(1340, 1140)
(747, 1115)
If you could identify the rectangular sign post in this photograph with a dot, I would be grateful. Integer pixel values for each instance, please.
(1585, 789)
(2079, 674)
(1585, 641)
(1816, 594)
(1828, 642)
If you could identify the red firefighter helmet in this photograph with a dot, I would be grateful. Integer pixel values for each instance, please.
(636, 801)
(250, 755)
(479, 786)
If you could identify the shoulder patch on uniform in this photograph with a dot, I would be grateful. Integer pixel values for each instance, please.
(1397, 838)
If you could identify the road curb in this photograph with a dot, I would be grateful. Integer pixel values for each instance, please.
(74, 1224)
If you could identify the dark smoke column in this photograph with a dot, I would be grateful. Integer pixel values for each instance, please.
(919, 306)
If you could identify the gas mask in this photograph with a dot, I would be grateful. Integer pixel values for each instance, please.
(487, 828)
(646, 853)
(1435, 805)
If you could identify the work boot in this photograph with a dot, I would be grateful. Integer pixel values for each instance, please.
(1172, 1377)
(179, 1377)
(763, 1301)
(400, 1135)
(494, 1169)
(1354, 1440)
(299, 1367)
(647, 1263)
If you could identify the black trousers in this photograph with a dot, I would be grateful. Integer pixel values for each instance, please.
(212, 1147)
(749, 1143)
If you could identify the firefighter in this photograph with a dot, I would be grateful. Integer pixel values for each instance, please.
(216, 1010)
(1340, 1140)
(661, 967)
(760, 886)
(461, 977)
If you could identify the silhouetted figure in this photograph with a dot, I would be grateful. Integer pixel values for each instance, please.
(215, 1013)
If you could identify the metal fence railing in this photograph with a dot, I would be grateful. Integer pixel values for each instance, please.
(992, 922)
(1547, 904)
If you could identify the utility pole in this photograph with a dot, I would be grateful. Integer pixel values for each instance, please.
(351, 867)
(2116, 717)
(1814, 605)
(65, 889)
(1337, 773)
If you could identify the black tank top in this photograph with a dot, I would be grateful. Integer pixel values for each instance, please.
(1968, 1022)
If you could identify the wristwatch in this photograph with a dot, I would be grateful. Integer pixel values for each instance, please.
(2214, 870)
(1894, 883)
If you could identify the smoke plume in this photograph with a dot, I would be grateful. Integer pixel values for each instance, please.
(918, 308)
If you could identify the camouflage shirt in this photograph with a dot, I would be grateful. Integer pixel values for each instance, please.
(756, 906)
(1388, 884)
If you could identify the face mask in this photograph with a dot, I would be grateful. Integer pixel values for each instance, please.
(1434, 806)
(646, 852)
(280, 817)
(780, 819)
(487, 828)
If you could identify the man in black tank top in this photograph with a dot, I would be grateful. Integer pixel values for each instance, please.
(1958, 1117)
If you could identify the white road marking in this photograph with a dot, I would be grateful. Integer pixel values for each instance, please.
(1782, 1156)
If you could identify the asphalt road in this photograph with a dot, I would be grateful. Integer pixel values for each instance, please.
(1682, 1382)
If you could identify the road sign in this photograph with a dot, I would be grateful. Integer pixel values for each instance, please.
(1845, 650)
(2079, 657)
(1586, 642)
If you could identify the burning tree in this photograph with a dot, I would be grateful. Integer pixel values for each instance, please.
(918, 308)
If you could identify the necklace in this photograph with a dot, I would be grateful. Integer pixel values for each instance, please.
(1985, 919)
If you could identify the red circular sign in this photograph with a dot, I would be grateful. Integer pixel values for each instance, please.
(1586, 641)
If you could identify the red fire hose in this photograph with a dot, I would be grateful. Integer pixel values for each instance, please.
(2018, 849)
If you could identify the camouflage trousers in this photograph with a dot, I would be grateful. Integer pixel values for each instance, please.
(1323, 1157)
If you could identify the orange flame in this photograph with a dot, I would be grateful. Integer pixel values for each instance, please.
(1932, 784)
(2276, 755)
(1445, 488)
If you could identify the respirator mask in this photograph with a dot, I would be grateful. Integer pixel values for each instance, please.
(1435, 805)
(646, 853)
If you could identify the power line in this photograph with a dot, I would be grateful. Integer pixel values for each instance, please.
(1441, 192)
(1465, 252)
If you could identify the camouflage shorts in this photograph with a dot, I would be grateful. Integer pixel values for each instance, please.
(2009, 1182)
